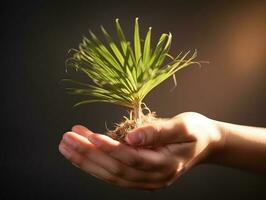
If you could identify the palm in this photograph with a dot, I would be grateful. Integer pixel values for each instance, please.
(122, 75)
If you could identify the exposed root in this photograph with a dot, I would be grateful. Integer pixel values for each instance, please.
(120, 132)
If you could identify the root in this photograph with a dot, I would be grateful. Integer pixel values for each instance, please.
(121, 129)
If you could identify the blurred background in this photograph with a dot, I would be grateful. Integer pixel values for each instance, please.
(37, 35)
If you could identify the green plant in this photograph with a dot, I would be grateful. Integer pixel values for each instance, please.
(124, 75)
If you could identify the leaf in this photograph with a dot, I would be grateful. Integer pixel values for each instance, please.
(157, 50)
(113, 46)
(137, 44)
(147, 46)
(121, 36)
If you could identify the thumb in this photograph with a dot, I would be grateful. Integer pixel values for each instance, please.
(154, 134)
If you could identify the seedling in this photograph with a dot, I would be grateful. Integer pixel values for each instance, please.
(124, 75)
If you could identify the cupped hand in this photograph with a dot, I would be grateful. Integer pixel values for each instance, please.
(155, 156)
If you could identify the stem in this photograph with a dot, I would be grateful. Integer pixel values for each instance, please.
(137, 112)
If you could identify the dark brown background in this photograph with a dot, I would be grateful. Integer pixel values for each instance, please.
(36, 111)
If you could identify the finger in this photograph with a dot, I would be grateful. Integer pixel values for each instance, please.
(97, 171)
(115, 149)
(158, 133)
(142, 159)
(83, 146)
(82, 130)
(80, 161)
(86, 148)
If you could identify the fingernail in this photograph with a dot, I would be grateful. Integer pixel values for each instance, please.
(95, 141)
(65, 152)
(70, 142)
(135, 138)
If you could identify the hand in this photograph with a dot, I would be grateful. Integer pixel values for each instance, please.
(157, 155)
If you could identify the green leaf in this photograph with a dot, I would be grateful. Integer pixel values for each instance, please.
(157, 51)
(113, 46)
(121, 36)
(137, 44)
(147, 46)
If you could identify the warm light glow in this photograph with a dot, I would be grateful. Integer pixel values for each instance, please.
(246, 38)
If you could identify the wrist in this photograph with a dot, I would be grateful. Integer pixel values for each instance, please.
(217, 142)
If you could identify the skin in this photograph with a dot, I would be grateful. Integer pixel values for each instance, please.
(157, 154)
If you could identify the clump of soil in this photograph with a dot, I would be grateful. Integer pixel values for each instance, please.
(120, 132)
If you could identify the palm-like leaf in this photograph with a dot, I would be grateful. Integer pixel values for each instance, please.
(122, 75)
